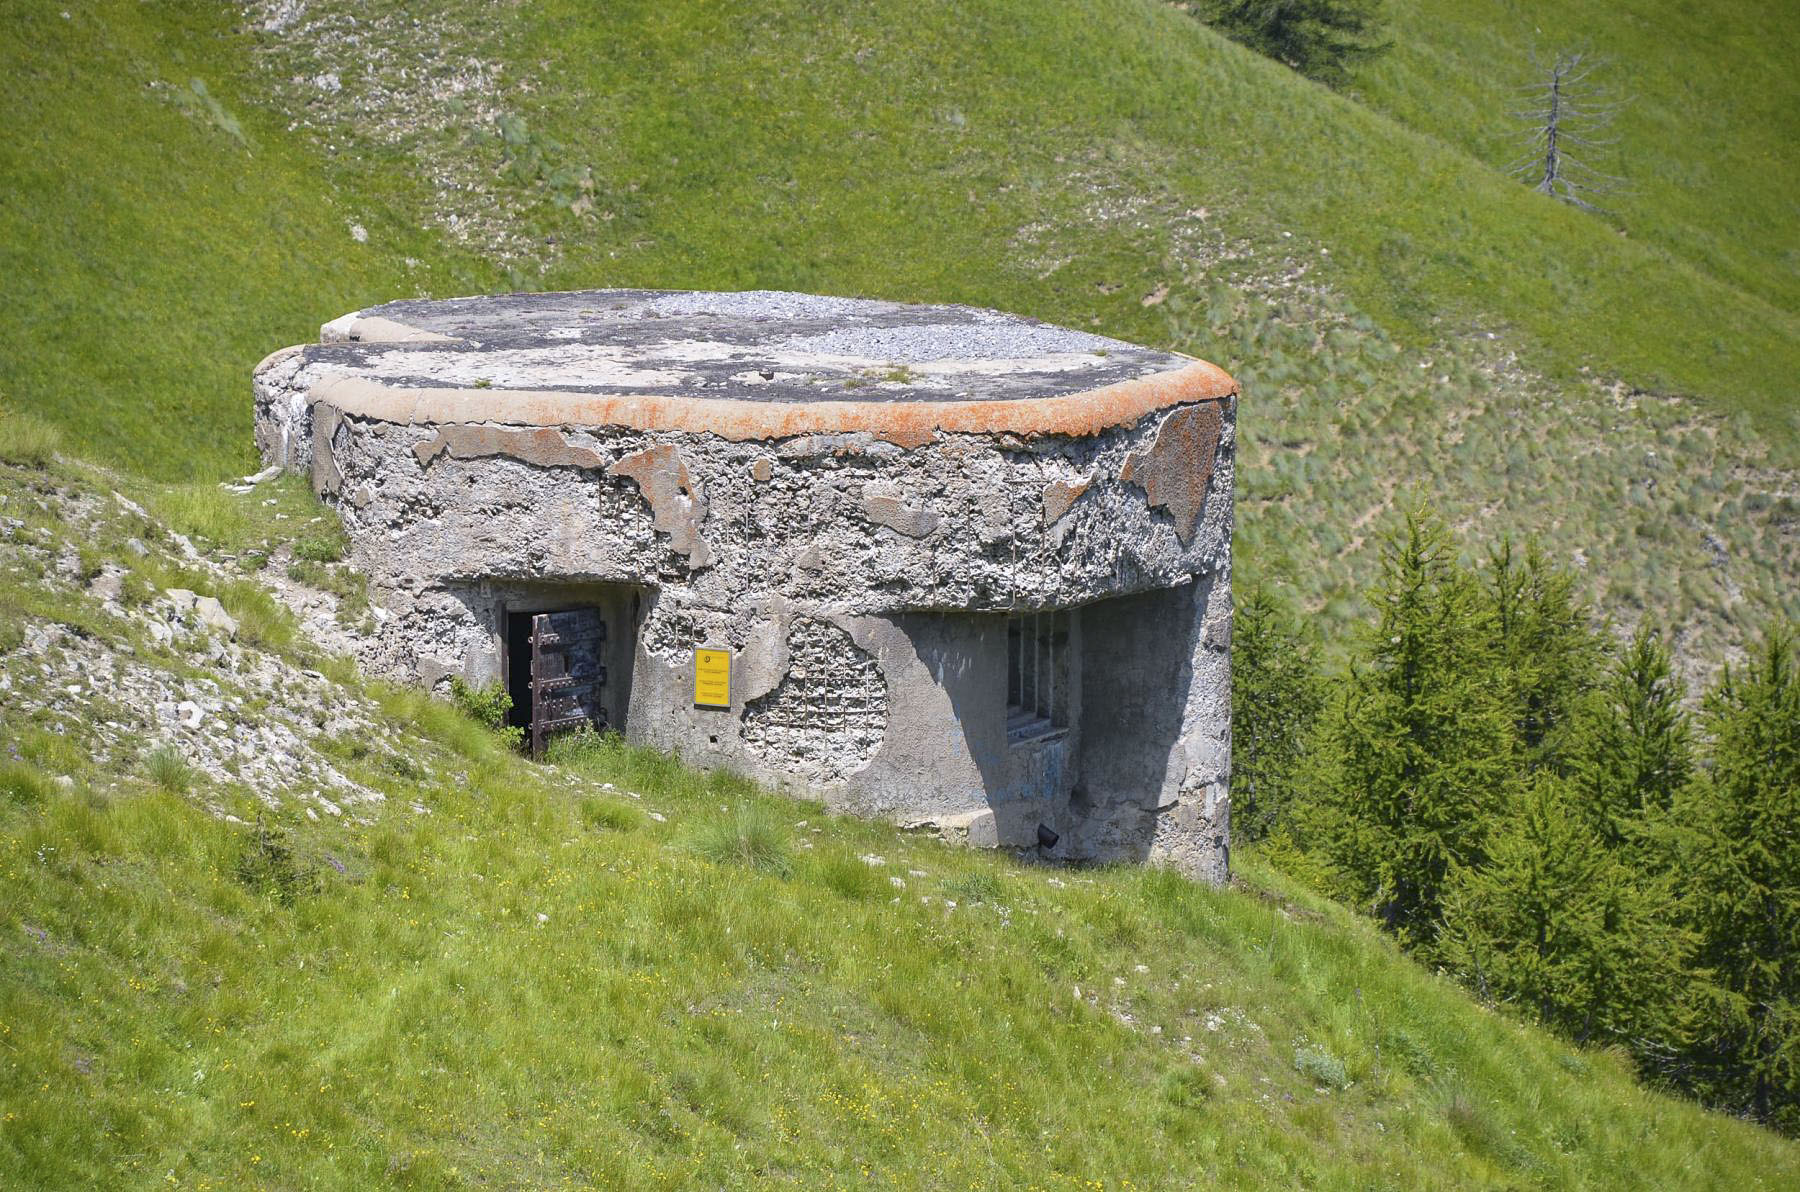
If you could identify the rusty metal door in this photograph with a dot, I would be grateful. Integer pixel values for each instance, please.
(568, 679)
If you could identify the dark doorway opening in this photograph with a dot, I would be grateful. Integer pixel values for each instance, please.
(556, 672)
(518, 669)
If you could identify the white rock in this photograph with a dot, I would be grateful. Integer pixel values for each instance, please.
(181, 598)
(212, 614)
(190, 713)
(872, 859)
(659, 817)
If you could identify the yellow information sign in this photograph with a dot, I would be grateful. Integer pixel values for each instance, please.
(712, 678)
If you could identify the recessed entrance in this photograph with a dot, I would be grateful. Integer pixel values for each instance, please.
(568, 663)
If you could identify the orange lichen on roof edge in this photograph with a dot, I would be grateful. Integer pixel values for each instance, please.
(906, 424)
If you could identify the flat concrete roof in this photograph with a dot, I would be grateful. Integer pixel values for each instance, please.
(758, 364)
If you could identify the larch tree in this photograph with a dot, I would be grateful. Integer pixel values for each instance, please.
(1742, 870)
(1417, 748)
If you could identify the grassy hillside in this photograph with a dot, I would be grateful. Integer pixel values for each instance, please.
(377, 949)
(1708, 137)
(781, 147)
(1409, 323)
(159, 233)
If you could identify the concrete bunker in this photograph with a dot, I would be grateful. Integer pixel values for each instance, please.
(951, 567)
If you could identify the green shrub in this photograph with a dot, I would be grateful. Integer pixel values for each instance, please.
(488, 706)
(267, 865)
(1409, 1052)
(748, 835)
(1318, 38)
(169, 770)
(1321, 1067)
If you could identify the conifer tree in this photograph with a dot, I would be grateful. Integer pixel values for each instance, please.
(1556, 922)
(1640, 751)
(1275, 699)
(1743, 870)
(1548, 652)
(1418, 748)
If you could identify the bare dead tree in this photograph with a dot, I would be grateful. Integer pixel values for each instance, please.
(1568, 118)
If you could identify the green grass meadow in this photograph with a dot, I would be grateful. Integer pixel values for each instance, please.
(513, 977)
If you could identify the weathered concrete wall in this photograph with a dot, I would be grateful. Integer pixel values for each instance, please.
(860, 577)
(848, 520)
(1156, 766)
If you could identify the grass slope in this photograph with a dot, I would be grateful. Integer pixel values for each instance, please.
(159, 235)
(615, 971)
(1708, 138)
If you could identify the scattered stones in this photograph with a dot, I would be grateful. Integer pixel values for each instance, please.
(121, 699)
